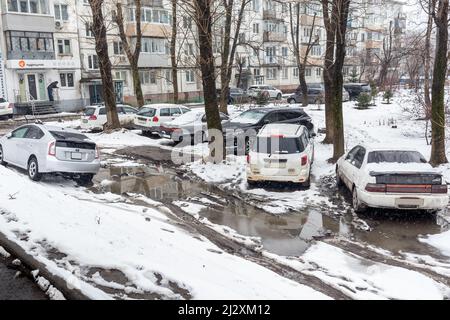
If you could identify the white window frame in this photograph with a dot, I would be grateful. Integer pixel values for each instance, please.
(65, 84)
(63, 44)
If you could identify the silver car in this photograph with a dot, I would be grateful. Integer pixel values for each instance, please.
(45, 149)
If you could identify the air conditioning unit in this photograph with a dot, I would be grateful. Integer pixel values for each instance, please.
(58, 25)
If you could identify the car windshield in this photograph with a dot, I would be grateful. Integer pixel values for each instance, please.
(250, 117)
(64, 135)
(89, 111)
(146, 112)
(2, 100)
(278, 145)
(395, 156)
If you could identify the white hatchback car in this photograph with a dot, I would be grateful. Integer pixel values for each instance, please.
(150, 117)
(46, 149)
(391, 178)
(272, 92)
(6, 109)
(281, 152)
(94, 117)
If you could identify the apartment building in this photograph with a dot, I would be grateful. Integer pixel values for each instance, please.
(42, 41)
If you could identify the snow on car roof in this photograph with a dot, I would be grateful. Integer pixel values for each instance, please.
(382, 147)
(287, 130)
(162, 105)
(56, 128)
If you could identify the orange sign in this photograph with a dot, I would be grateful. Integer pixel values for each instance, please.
(22, 63)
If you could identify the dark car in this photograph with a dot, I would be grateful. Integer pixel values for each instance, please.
(315, 95)
(247, 124)
(237, 95)
(355, 89)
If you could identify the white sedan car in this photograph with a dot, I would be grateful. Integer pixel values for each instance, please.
(6, 109)
(391, 178)
(281, 152)
(43, 149)
(94, 117)
(151, 116)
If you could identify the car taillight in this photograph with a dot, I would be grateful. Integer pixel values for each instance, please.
(97, 155)
(93, 117)
(439, 188)
(373, 187)
(155, 119)
(52, 149)
(304, 160)
(248, 158)
(10, 106)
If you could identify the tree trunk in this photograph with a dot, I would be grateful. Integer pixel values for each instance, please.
(427, 64)
(438, 155)
(303, 85)
(204, 22)
(101, 47)
(173, 52)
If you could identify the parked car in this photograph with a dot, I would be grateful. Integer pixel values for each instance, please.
(354, 89)
(150, 117)
(94, 117)
(237, 95)
(315, 96)
(44, 149)
(247, 124)
(272, 92)
(281, 152)
(188, 124)
(345, 95)
(6, 109)
(391, 178)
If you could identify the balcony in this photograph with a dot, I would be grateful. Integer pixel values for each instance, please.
(153, 60)
(269, 36)
(272, 61)
(20, 22)
(271, 15)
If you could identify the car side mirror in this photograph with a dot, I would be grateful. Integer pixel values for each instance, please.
(266, 121)
(9, 135)
(313, 135)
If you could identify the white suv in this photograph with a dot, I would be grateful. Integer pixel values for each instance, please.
(94, 117)
(151, 116)
(271, 92)
(281, 152)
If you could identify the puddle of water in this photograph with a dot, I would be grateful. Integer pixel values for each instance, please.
(287, 234)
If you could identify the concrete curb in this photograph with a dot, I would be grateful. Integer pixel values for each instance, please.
(32, 264)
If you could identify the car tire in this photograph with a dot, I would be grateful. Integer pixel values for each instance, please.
(291, 101)
(2, 162)
(252, 183)
(279, 96)
(33, 169)
(358, 207)
(85, 179)
(307, 183)
(10, 116)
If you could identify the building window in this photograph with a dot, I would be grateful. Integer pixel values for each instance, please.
(153, 45)
(118, 47)
(29, 41)
(88, 27)
(318, 72)
(168, 76)
(284, 51)
(308, 72)
(93, 62)
(66, 80)
(121, 75)
(316, 50)
(28, 6)
(271, 73)
(255, 5)
(147, 77)
(256, 28)
(64, 46)
(189, 49)
(61, 12)
(285, 73)
(150, 15)
(190, 76)
(295, 72)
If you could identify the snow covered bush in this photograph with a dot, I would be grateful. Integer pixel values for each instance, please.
(387, 96)
(364, 100)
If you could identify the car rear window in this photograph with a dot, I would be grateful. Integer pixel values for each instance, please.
(89, 111)
(147, 112)
(64, 135)
(395, 156)
(278, 145)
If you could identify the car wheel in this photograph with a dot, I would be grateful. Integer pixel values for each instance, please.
(10, 116)
(291, 101)
(307, 183)
(85, 179)
(252, 183)
(33, 169)
(2, 162)
(358, 207)
(279, 96)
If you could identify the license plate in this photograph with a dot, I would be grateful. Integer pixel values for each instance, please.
(409, 202)
(76, 155)
(275, 164)
(2, 107)
(85, 121)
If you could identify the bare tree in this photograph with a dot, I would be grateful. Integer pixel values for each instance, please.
(335, 16)
(438, 155)
(229, 45)
(301, 60)
(101, 47)
(173, 51)
(132, 54)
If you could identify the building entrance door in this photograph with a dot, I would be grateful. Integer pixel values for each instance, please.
(32, 89)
